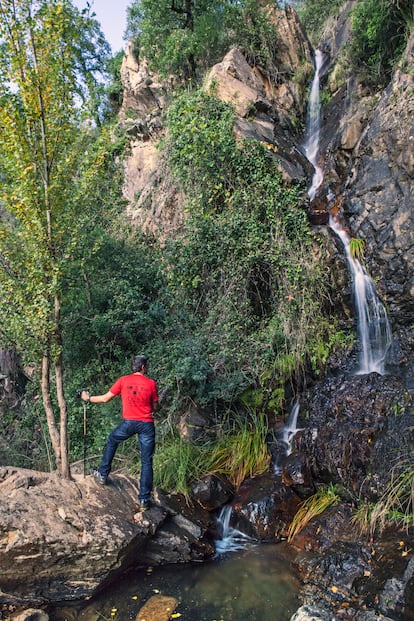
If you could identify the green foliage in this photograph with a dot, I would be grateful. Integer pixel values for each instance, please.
(114, 89)
(357, 248)
(324, 343)
(177, 464)
(177, 36)
(242, 270)
(242, 452)
(314, 13)
(396, 505)
(49, 59)
(41, 156)
(254, 33)
(378, 35)
(313, 506)
(184, 37)
(239, 452)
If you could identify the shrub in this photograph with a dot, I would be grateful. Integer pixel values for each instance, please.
(378, 35)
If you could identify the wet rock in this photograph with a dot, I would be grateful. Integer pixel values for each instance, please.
(31, 614)
(349, 444)
(212, 492)
(368, 141)
(393, 598)
(323, 531)
(264, 507)
(311, 613)
(157, 608)
(296, 474)
(355, 577)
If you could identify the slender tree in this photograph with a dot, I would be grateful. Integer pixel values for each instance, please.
(50, 54)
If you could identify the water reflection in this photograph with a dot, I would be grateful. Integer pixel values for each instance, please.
(254, 584)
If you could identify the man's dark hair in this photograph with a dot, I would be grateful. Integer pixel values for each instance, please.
(138, 362)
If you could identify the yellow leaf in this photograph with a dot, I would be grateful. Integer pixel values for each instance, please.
(176, 615)
(334, 589)
(155, 590)
(367, 573)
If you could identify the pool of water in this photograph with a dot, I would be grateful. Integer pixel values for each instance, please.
(253, 584)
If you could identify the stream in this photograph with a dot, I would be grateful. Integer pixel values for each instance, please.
(254, 583)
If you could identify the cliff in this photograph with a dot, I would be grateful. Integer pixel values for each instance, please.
(366, 146)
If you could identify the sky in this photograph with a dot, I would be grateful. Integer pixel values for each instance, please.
(111, 14)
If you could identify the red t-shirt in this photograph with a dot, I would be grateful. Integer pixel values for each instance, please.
(138, 394)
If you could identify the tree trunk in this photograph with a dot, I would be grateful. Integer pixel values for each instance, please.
(48, 406)
(63, 410)
(65, 469)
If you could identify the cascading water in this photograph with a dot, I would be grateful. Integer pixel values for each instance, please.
(231, 538)
(373, 326)
(311, 144)
(286, 435)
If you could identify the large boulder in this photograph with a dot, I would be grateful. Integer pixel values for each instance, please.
(64, 539)
(353, 445)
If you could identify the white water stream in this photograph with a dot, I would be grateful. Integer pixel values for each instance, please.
(374, 330)
(231, 539)
(373, 327)
(311, 144)
(286, 435)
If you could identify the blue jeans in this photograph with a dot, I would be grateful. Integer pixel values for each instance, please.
(146, 437)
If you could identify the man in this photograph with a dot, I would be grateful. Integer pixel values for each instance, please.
(139, 396)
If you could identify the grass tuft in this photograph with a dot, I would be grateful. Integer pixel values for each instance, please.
(311, 507)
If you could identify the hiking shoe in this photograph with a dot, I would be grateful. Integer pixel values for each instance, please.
(144, 505)
(98, 476)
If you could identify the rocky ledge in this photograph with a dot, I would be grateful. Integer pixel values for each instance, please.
(65, 539)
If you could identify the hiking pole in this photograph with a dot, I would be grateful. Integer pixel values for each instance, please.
(84, 439)
(79, 395)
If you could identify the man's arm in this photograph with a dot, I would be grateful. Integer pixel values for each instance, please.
(97, 398)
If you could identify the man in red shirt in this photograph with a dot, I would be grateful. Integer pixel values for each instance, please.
(139, 397)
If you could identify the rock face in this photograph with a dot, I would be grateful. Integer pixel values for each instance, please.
(264, 115)
(269, 107)
(379, 191)
(154, 202)
(367, 142)
(63, 540)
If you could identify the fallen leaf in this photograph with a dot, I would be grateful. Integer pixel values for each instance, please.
(334, 589)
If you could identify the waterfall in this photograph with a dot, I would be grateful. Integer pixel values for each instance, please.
(231, 538)
(311, 145)
(373, 326)
(286, 435)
